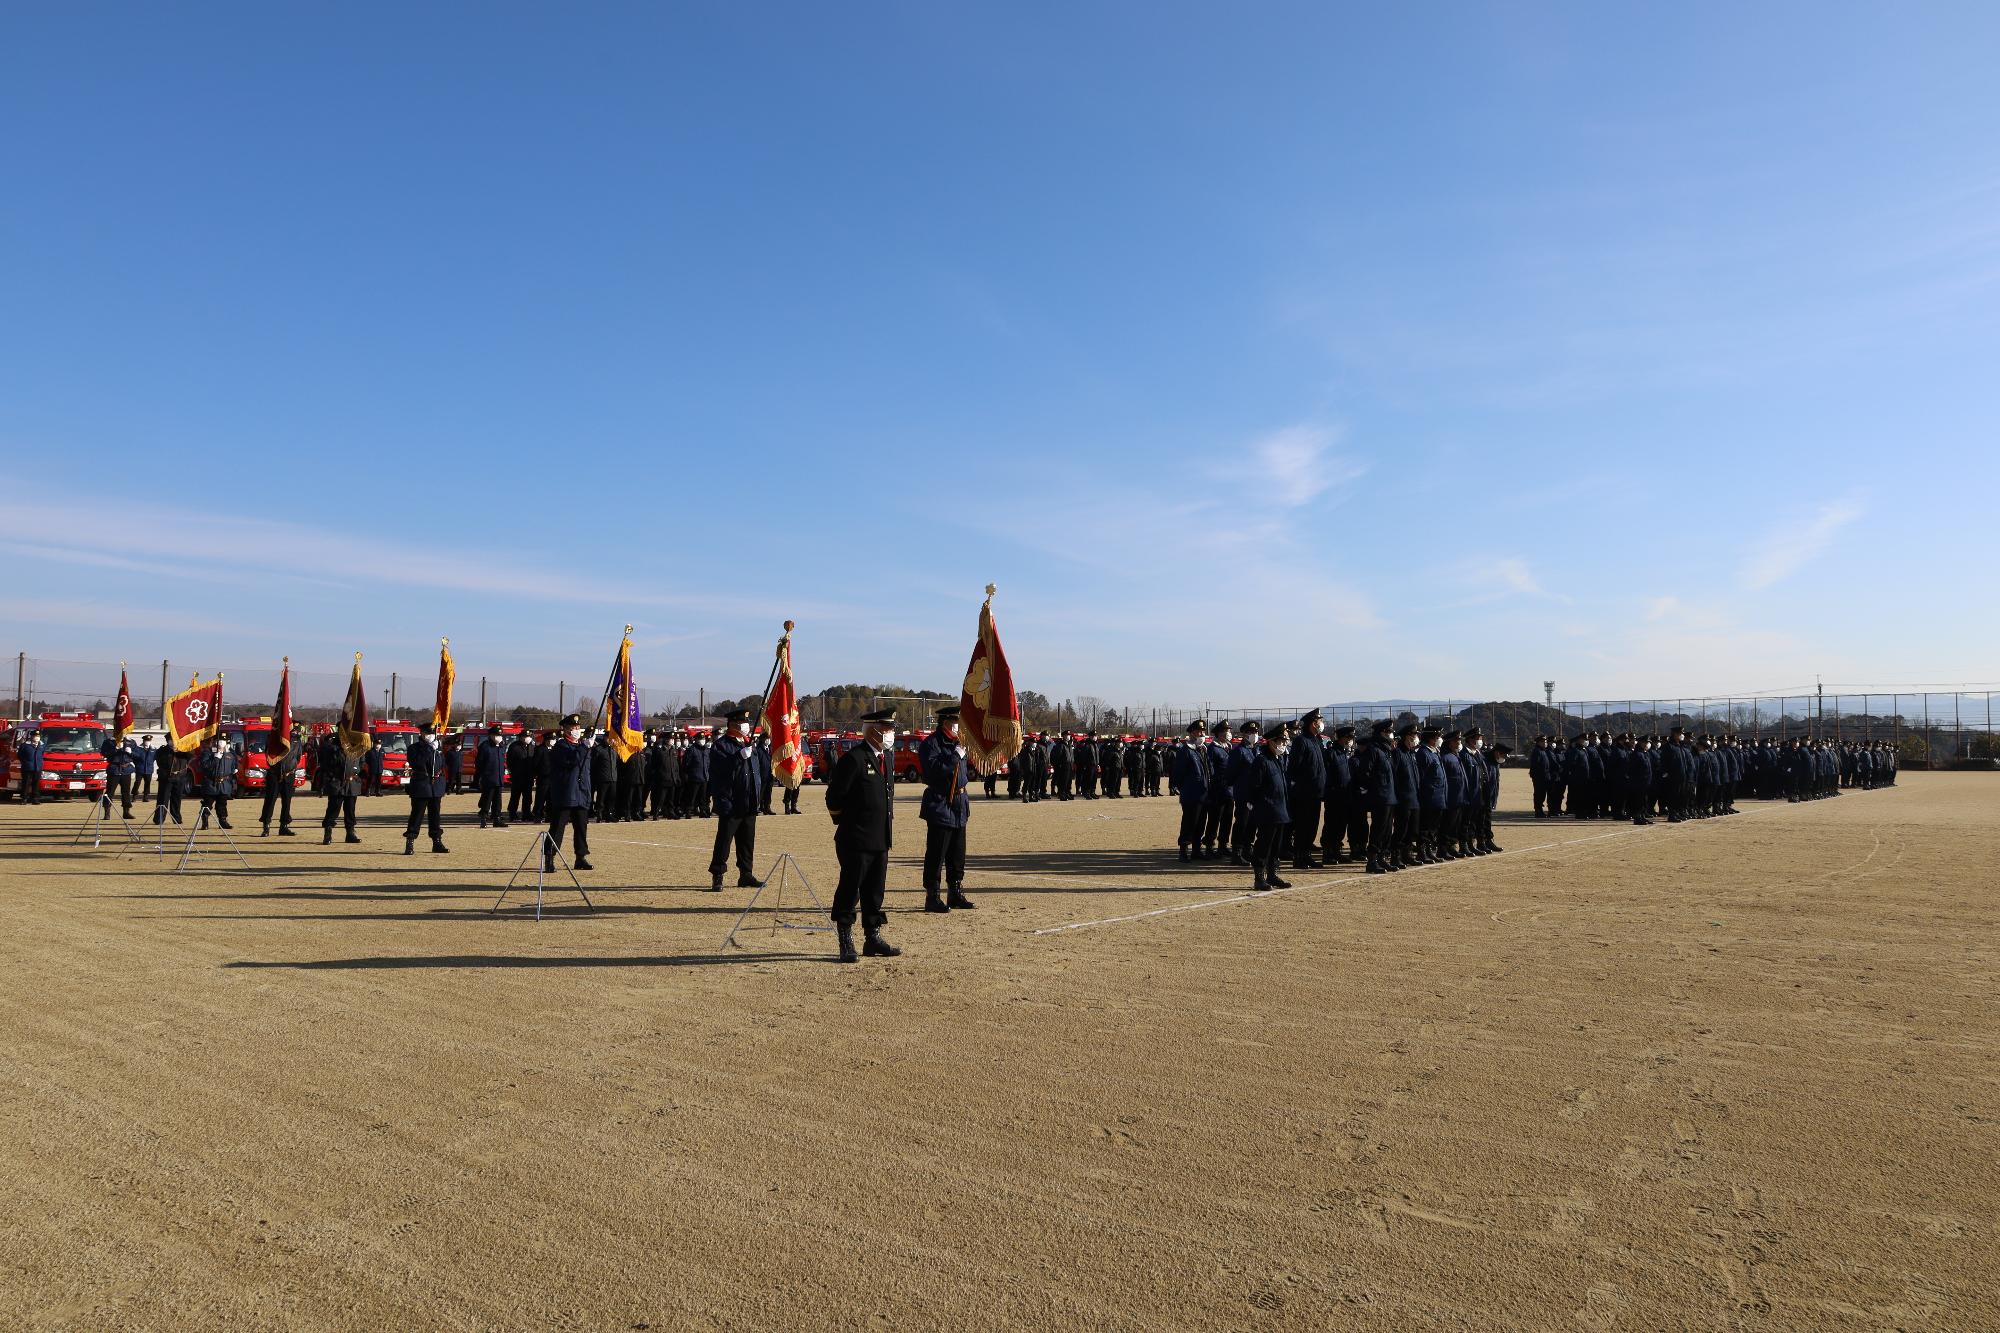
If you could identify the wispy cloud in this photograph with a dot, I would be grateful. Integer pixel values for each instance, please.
(1496, 578)
(1298, 464)
(1786, 549)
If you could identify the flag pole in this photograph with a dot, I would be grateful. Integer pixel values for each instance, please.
(604, 695)
(777, 655)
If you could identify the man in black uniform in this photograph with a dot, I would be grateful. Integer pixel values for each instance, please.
(280, 772)
(1111, 766)
(426, 778)
(1086, 766)
(736, 780)
(946, 813)
(489, 770)
(520, 777)
(1305, 788)
(340, 776)
(565, 785)
(1060, 754)
(861, 798)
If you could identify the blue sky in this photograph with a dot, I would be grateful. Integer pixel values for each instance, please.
(1258, 352)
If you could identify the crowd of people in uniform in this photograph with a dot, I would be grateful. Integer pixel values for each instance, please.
(1263, 796)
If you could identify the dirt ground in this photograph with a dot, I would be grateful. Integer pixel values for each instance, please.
(1743, 1073)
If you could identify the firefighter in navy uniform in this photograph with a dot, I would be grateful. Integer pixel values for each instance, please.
(946, 812)
(280, 771)
(1305, 785)
(216, 767)
(426, 776)
(1194, 771)
(30, 754)
(1267, 807)
(565, 787)
(339, 775)
(489, 771)
(860, 796)
(736, 785)
(121, 761)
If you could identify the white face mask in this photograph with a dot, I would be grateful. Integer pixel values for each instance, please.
(575, 733)
(888, 740)
(742, 728)
(951, 730)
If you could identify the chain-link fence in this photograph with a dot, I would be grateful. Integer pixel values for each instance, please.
(1929, 724)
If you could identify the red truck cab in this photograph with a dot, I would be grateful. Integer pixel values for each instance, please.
(475, 732)
(393, 740)
(71, 763)
(250, 736)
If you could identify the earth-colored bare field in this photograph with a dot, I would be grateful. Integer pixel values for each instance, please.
(1743, 1073)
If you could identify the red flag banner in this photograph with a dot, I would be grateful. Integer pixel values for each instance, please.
(280, 742)
(195, 714)
(121, 713)
(781, 720)
(989, 716)
(354, 736)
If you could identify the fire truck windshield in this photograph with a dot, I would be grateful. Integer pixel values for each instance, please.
(252, 741)
(392, 742)
(71, 740)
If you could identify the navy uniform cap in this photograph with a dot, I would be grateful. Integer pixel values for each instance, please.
(1196, 727)
(1382, 728)
(949, 713)
(572, 720)
(880, 715)
(1407, 729)
(1342, 730)
(1250, 727)
(1307, 720)
(737, 715)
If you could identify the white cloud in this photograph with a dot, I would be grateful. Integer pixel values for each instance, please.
(1788, 548)
(1297, 464)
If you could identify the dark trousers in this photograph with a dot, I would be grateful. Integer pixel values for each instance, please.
(339, 806)
(569, 816)
(1194, 817)
(1429, 822)
(1086, 783)
(790, 805)
(1305, 827)
(1245, 833)
(1556, 789)
(1541, 792)
(1335, 831)
(1111, 780)
(1266, 842)
(218, 804)
(740, 830)
(277, 794)
(944, 851)
(169, 804)
(1403, 832)
(422, 808)
(145, 787)
(634, 795)
(118, 787)
(1217, 817)
(31, 787)
(1381, 818)
(489, 803)
(864, 877)
(519, 801)
(1062, 785)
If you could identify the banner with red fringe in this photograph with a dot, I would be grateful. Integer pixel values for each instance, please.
(989, 715)
(781, 720)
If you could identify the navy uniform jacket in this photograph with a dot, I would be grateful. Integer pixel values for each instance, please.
(1491, 778)
(1576, 767)
(1059, 760)
(694, 765)
(1135, 761)
(1305, 775)
(1638, 772)
(861, 798)
(1542, 764)
(735, 778)
(145, 757)
(1194, 769)
(218, 774)
(30, 755)
(336, 773)
(603, 764)
(1614, 766)
(489, 763)
(1265, 799)
(1454, 779)
(945, 803)
(1474, 768)
(1241, 761)
(1406, 776)
(1086, 756)
(425, 775)
(118, 757)
(520, 761)
(1433, 789)
(1339, 770)
(566, 779)
(1375, 773)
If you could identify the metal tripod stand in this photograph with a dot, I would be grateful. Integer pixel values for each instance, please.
(94, 822)
(774, 880)
(201, 820)
(541, 851)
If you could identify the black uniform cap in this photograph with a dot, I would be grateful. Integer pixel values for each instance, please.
(1307, 720)
(1407, 729)
(1472, 733)
(428, 729)
(880, 715)
(1220, 727)
(737, 715)
(1196, 727)
(1382, 728)
(1342, 731)
(1433, 730)
(1451, 735)
(571, 720)
(949, 713)
(1250, 727)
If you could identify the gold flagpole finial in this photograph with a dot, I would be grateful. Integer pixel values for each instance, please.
(287, 659)
(194, 679)
(788, 627)
(991, 589)
(357, 659)
(444, 642)
(628, 629)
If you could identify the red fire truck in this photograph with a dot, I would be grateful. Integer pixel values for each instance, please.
(393, 740)
(71, 764)
(250, 736)
(475, 732)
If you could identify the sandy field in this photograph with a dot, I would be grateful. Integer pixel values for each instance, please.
(1742, 1073)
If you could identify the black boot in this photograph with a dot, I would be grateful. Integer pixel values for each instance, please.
(1277, 883)
(352, 836)
(327, 841)
(1257, 882)
(875, 946)
(285, 831)
(265, 834)
(845, 930)
(583, 863)
(437, 845)
(957, 901)
(715, 882)
(1375, 866)
(934, 901)
(749, 882)
(409, 846)
(1185, 858)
